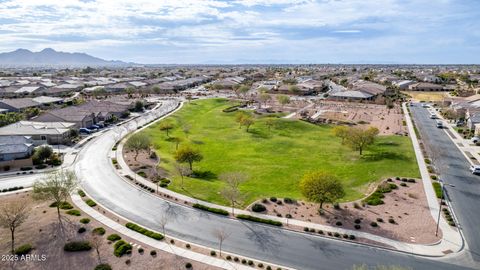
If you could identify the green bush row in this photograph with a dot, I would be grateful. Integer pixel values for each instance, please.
(438, 189)
(139, 229)
(23, 249)
(74, 212)
(261, 220)
(211, 209)
(63, 205)
(114, 237)
(90, 203)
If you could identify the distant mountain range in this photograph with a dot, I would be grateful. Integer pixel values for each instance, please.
(50, 58)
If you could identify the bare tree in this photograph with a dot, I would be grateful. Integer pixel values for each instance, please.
(221, 234)
(12, 215)
(182, 171)
(96, 242)
(231, 191)
(56, 187)
(162, 221)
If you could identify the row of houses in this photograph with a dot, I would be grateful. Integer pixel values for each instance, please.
(359, 90)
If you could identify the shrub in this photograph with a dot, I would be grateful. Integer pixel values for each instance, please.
(336, 206)
(103, 266)
(373, 224)
(438, 189)
(114, 237)
(77, 246)
(213, 253)
(41, 166)
(236, 259)
(288, 216)
(288, 200)
(188, 265)
(141, 250)
(250, 262)
(260, 265)
(85, 220)
(244, 261)
(379, 219)
(428, 161)
(229, 258)
(187, 246)
(357, 226)
(90, 203)
(411, 180)
(391, 220)
(23, 249)
(375, 198)
(81, 230)
(257, 207)
(306, 229)
(153, 252)
(338, 223)
(211, 209)
(139, 229)
(99, 231)
(261, 220)
(336, 234)
(74, 212)
(351, 237)
(273, 199)
(320, 232)
(63, 205)
(357, 221)
(433, 177)
(25, 168)
(403, 184)
(345, 236)
(121, 247)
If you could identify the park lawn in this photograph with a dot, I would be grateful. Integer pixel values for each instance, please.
(274, 160)
(432, 96)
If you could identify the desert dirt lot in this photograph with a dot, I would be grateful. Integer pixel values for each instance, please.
(427, 96)
(388, 121)
(43, 232)
(406, 205)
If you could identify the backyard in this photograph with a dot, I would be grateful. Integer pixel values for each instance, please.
(274, 158)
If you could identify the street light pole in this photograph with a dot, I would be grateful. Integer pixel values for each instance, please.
(439, 209)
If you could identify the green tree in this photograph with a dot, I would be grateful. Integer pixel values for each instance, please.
(55, 187)
(294, 89)
(264, 98)
(138, 142)
(138, 106)
(341, 132)
(166, 126)
(359, 138)
(283, 100)
(42, 153)
(321, 187)
(242, 90)
(269, 123)
(247, 121)
(187, 154)
(239, 118)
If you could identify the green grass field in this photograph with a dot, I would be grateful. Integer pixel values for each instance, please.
(274, 160)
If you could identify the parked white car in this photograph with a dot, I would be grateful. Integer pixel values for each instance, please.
(475, 169)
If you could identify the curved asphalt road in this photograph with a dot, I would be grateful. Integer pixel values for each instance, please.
(296, 250)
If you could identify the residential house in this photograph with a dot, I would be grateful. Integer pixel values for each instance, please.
(18, 104)
(72, 114)
(402, 85)
(423, 86)
(14, 147)
(41, 132)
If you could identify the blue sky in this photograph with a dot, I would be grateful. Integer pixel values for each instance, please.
(249, 31)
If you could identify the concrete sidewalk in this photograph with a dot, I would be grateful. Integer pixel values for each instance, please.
(451, 242)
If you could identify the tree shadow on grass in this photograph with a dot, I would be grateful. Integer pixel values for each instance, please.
(204, 175)
(259, 134)
(387, 144)
(376, 156)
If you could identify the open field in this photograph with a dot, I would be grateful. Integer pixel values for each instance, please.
(427, 96)
(274, 160)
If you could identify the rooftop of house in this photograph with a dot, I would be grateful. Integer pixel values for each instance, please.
(36, 128)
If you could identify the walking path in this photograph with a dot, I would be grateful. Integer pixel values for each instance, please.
(451, 242)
